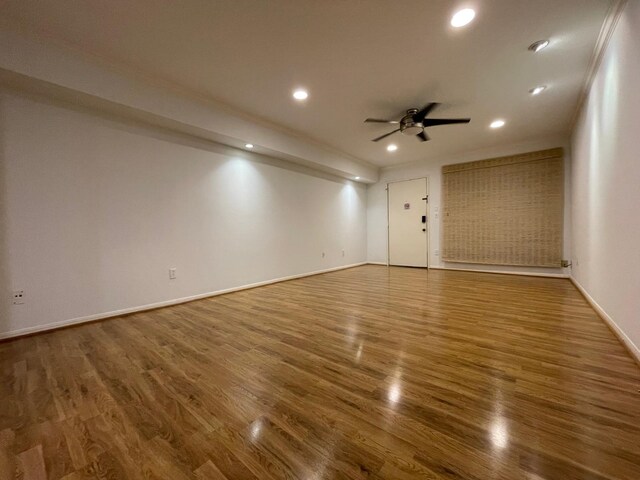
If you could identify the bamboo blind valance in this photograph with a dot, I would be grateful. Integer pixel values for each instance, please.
(505, 211)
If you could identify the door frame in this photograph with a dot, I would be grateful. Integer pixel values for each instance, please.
(428, 213)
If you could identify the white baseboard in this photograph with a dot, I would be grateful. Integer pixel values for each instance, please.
(378, 263)
(526, 274)
(631, 347)
(116, 313)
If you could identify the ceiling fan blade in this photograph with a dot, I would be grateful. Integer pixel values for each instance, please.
(385, 135)
(420, 116)
(423, 136)
(432, 122)
(377, 120)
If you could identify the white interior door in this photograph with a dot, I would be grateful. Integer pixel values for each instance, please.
(408, 231)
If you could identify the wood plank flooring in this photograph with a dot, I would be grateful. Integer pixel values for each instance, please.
(366, 373)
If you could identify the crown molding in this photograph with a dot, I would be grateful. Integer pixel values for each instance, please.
(606, 32)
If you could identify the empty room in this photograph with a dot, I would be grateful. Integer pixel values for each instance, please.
(320, 239)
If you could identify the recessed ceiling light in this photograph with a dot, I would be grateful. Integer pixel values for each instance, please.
(537, 90)
(462, 17)
(248, 145)
(357, 178)
(300, 94)
(535, 47)
(392, 147)
(497, 124)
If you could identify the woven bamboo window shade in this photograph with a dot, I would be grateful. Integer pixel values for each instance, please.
(504, 211)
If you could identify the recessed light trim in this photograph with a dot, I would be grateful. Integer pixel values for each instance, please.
(463, 17)
(497, 123)
(538, 90)
(357, 178)
(392, 147)
(535, 47)
(300, 94)
(248, 145)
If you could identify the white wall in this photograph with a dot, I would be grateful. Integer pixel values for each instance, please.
(95, 211)
(377, 204)
(606, 182)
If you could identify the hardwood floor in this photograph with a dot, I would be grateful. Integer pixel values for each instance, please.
(371, 372)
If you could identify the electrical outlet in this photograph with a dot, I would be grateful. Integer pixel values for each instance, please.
(322, 254)
(343, 253)
(436, 252)
(172, 274)
(18, 297)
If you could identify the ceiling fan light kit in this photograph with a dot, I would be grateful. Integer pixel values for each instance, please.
(414, 122)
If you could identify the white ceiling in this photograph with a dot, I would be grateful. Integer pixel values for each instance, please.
(357, 58)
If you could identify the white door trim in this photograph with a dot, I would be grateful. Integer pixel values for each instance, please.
(428, 212)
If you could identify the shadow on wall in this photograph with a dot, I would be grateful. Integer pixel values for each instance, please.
(5, 287)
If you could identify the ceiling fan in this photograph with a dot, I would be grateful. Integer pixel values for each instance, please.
(415, 121)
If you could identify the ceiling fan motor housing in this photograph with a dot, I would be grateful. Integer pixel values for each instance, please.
(411, 128)
(408, 126)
